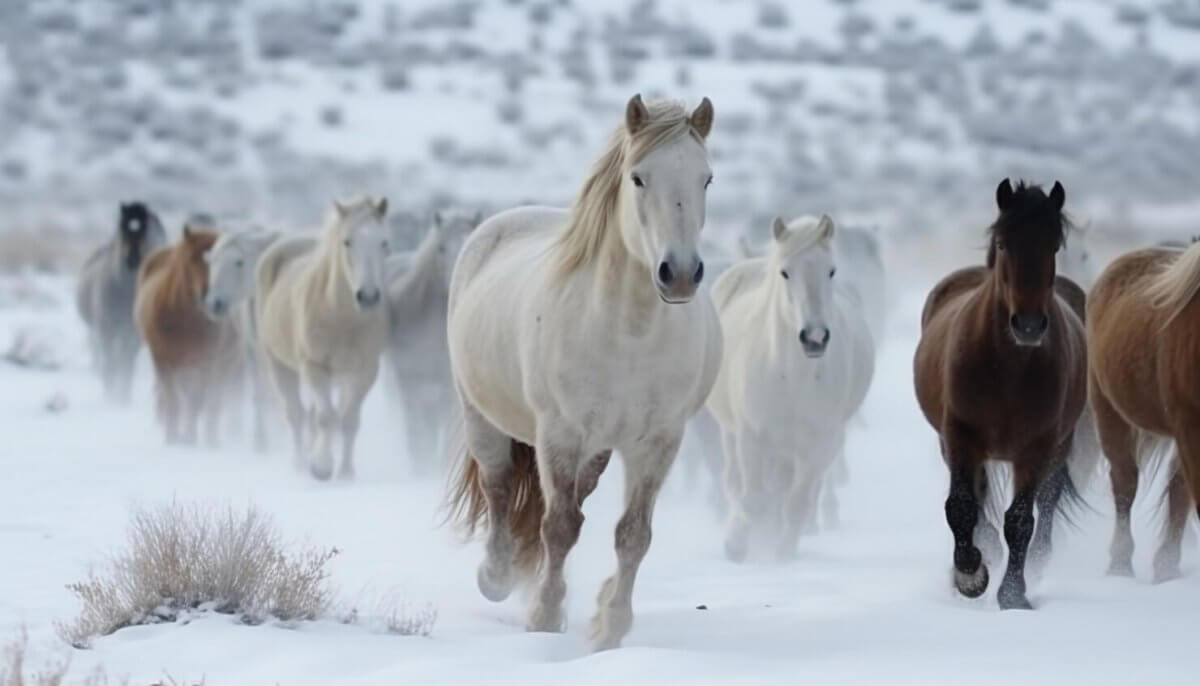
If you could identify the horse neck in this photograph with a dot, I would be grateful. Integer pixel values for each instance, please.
(176, 287)
(330, 280)
(622, 281)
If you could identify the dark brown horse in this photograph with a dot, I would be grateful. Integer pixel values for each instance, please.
(1144, 386)
(1000, 373)
(195, 358)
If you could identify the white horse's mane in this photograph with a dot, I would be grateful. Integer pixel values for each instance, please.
(803, 234)
(587, 227)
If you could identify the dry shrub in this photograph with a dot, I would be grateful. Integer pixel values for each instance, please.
(184, 559)
(394, 615)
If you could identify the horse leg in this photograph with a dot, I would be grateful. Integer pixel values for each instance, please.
(646, 466)
(212, 392)
(353, 394)
(126, 358)
(747, 504)
(492, 451)
(1166, 559)
(419, 427)
(799, 507)
(1187, 447)
(287, 387)
(737, 528)
(1048, 498)
(192, 404)
(1018, 531)
(1119, 442)
(167, 402)
(558, 461)
(963, 457)
(320, 462)
(834, 478)
(258, 400)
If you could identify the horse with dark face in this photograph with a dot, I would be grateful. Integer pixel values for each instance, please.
(105, 293)
(1000, 373)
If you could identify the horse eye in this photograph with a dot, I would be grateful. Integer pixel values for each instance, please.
(708, 182)
(832, 272)
(783, 273)
(637, 181)
(346, 242)
(238, 264)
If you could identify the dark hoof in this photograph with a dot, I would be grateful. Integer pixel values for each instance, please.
(1013, 600)
(972, 585)
(1121, 569)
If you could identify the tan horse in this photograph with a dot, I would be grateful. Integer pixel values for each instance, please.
(195, 358)
(1144, 386)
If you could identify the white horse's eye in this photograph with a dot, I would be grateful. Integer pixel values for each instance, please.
(783, 273)
(238, 264)
(637, 181)
(832, 272)
(346, 242)
(708, 182)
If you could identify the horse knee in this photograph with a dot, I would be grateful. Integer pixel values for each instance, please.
(633, 535)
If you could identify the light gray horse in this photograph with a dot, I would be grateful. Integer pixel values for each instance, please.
(105, 292)
(230, 293)
(417, 353)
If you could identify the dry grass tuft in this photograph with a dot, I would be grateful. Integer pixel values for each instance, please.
(185, 559)
(393, 615)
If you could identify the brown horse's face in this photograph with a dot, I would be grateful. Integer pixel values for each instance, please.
(1025, 241)
(196, 245)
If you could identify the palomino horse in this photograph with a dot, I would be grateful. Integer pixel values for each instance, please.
(321, 321)
(1000, 373)
(798, 362)
(1144, 386)
(417, 349)
(104, 296)
(195, 359)
(230, 293)
(574, 333)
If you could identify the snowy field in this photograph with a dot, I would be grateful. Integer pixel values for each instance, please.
(869, 603)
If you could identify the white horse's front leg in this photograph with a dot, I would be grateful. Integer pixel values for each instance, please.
(748, 506)
(320, 461)
(558, 458)
(354, 392)
(646, 465)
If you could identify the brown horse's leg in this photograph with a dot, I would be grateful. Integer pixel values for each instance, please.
(1166, 560)
(558, 461)
(963, 457)
(1018, 528)
(1119, 443)
(1049, 495)
(168, 403)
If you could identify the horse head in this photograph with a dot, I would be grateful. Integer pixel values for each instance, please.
(1025, 239)
(363, 246)
(802, 259)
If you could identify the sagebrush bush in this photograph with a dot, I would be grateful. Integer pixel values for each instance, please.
(184, 558)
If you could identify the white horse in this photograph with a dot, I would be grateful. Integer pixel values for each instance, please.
(798, 362)
(417, 348)
(574, 333)
(230, 293)
(321, 322)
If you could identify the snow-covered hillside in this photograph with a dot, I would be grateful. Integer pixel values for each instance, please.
(894, 110)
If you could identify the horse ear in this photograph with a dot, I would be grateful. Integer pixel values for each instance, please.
(778, 228)
(702, 117)
(381, 208)
(826, 225)
(1058, 196)
(636, 114)
(1004, 194)
(339, 208)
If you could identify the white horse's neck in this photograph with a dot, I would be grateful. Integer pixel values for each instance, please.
(623, 281)
(329, 272)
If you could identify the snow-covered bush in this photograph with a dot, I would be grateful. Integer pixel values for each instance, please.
(181, 559)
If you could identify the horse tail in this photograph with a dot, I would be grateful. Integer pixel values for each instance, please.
(467, 503)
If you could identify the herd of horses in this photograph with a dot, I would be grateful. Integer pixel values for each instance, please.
(551, 338)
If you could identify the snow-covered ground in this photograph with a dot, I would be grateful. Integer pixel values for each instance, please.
(869, 603)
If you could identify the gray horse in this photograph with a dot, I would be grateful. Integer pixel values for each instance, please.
(417, 352)
(104, 296)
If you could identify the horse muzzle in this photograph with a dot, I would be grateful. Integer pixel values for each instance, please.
(367, 298)
(678, 285)
(814, 340)
(1029, 329)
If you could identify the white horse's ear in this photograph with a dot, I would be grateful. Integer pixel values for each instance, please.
(636, 114)
(340, 209)
(381, 208)
(702, 118)
(778, 228)
(826, 226)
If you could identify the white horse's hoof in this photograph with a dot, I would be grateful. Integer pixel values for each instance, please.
(321, 472)
(546, 620)
(491, 588)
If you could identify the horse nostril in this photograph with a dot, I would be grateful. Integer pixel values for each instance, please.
(826, 337)
(664, 273)
(699, 275)
(804, 336)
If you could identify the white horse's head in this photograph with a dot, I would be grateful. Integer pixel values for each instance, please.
(362, 247)
(231, 269)
(802, 258)
(452, 230)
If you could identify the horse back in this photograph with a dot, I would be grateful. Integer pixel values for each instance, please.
(499, 234)
(957, 283)
(736, 280)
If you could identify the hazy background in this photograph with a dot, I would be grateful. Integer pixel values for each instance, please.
(902, 113)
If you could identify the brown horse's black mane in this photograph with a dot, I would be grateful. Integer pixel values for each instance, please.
(1027, 212)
